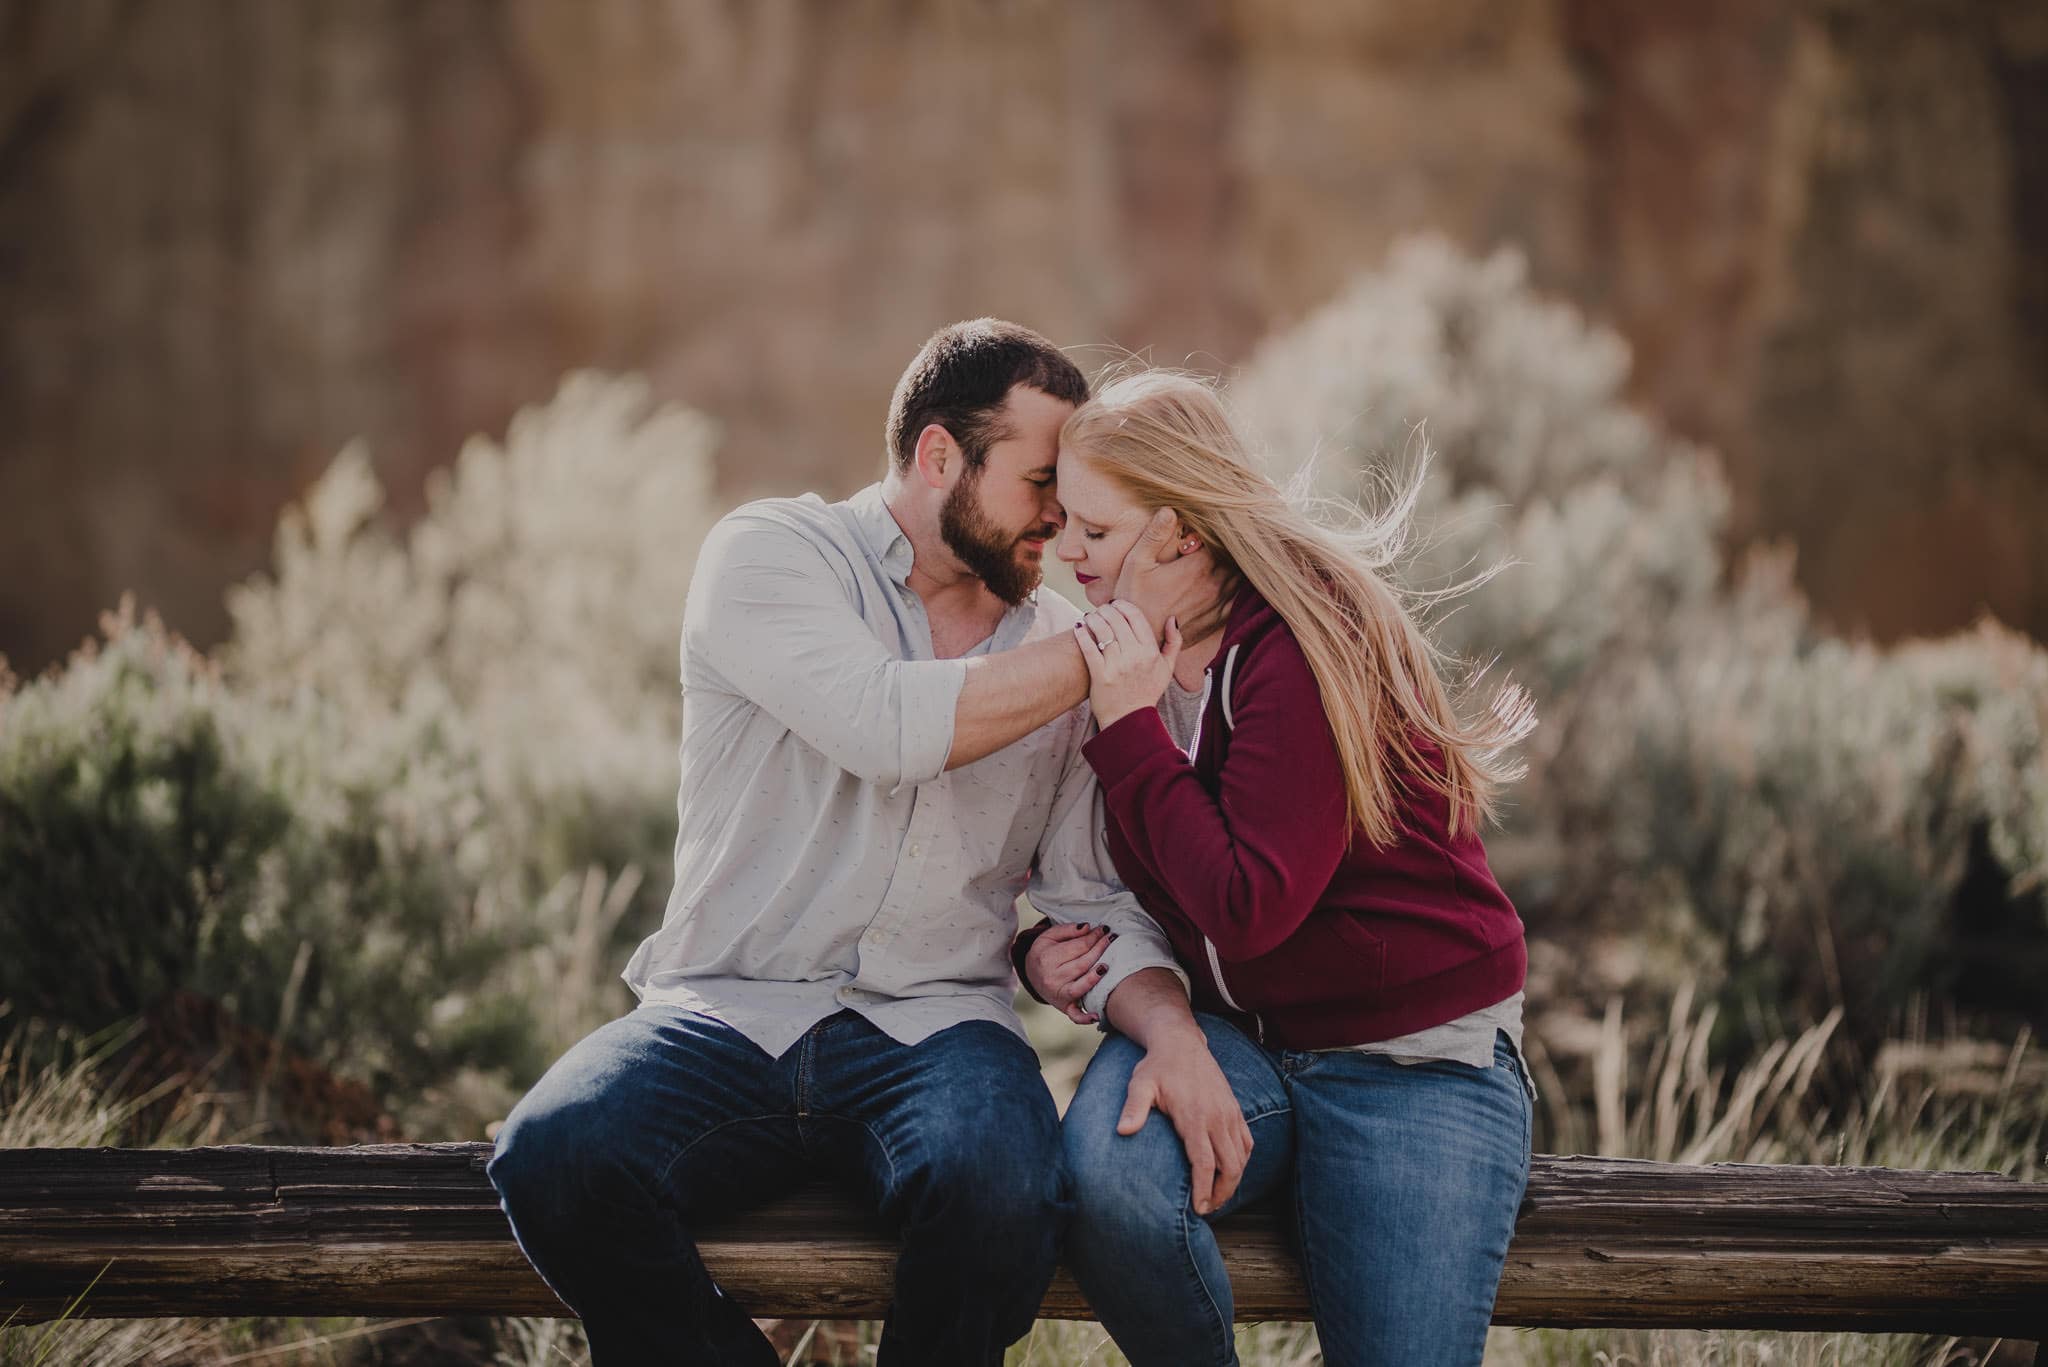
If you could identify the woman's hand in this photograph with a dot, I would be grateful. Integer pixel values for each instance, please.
(1127, 670)
(1064, 962)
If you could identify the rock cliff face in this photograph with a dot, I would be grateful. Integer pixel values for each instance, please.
(235, 233)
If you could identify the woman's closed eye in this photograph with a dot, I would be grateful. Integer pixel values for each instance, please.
(1088, 533)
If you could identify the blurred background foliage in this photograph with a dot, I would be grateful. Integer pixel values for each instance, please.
(398, 822)
(367, 867)
(407, 818)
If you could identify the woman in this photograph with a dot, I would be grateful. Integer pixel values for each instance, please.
(1292, 796)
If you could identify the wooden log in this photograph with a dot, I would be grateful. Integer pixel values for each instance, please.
(416, 1229)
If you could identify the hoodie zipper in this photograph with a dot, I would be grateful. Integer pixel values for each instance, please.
(1216, 971)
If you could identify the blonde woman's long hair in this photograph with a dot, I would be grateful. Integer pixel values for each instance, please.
(1166, 439)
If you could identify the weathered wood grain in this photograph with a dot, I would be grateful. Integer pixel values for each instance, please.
(411, 1229)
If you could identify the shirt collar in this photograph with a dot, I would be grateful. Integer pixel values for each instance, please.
(885, 539)
(890, 545)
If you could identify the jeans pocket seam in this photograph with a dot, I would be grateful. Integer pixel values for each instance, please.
(1515, 1069)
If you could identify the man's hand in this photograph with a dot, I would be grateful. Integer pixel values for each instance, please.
(1064, 962)
(1164, 582)
(1182, 1079)
(1180, 1076)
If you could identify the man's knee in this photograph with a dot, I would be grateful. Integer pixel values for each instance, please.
(529, 1156)
(556, 1156)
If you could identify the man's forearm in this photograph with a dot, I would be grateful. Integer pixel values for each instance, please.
(1151, 1007)
(1009, 695)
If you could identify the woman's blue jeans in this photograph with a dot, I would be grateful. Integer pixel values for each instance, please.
(1401, 1180)
(665, 1117)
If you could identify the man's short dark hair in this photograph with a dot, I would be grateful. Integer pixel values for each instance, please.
(960, 378)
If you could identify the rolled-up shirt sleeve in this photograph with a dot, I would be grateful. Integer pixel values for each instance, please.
(768, 619)
(1075, 880)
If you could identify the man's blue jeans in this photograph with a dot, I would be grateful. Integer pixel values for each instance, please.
(664, 1117)
(1402, 1181)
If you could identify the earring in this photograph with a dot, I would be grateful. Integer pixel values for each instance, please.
(1188, 547)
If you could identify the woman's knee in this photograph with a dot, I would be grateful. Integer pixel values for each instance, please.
(1126, 1176)
(1132, 1182)
(1131, 1192)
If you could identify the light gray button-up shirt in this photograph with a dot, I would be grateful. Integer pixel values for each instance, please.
(825, 857)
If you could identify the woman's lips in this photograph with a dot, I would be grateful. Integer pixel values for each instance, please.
(1086, 578)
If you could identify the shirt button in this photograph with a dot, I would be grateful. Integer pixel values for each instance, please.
(917, 851)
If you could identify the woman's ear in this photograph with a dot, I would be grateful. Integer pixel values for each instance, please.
(1185, 539)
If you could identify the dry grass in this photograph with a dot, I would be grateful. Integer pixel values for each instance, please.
(62, 1089)
(1726, 1348)
(1960, 1104)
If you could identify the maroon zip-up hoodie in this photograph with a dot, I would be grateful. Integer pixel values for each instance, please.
(1240, 856)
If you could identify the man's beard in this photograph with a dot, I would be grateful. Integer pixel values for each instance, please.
(988, 552)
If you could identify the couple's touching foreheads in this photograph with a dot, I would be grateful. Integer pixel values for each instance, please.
(1241, 793)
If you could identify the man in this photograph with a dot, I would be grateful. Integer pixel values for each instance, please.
(881, 747)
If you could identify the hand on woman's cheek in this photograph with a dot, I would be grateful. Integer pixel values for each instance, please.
(1127, 668)
(1103, 591)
